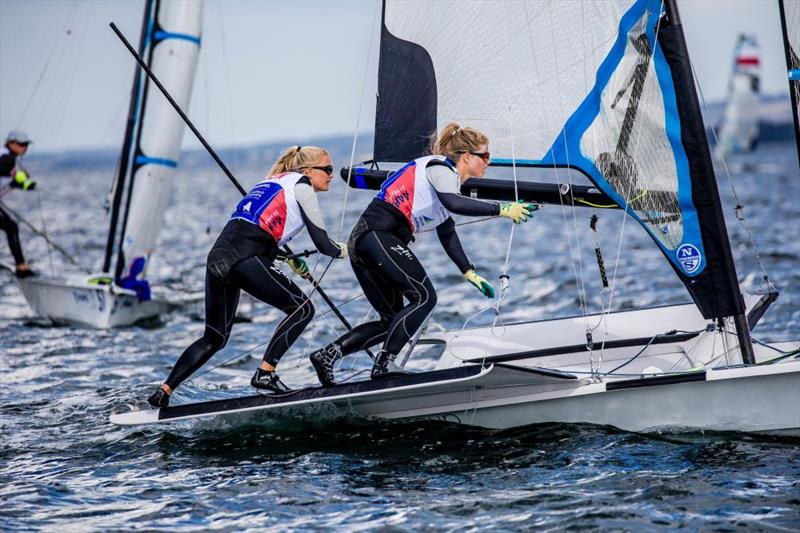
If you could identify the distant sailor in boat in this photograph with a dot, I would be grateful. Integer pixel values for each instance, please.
(273, 212)
(13, 176)
(422, 194)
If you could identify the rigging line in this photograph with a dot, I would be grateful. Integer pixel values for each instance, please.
(606, 310)
(73, 71)
(70, 18)
(644, 193)
(578, 280)
(38, 232)
(44, 232)
(358, 119)
(739, 209)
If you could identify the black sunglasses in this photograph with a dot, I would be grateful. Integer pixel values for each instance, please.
(483, 155)
(328, 169)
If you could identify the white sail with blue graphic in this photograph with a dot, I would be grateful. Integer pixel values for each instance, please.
(172, 46)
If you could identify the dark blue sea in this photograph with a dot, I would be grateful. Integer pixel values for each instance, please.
(64, 467)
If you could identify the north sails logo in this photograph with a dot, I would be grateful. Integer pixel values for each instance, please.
(247, 206)
(402, 251)
(689, 257)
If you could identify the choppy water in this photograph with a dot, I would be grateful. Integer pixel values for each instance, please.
(63, 466)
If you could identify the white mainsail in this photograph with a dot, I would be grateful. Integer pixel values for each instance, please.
(174, 45)
(738, 130)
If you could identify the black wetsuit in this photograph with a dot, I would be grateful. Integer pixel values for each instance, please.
(8, 161)
(388, 271)
(242, 259)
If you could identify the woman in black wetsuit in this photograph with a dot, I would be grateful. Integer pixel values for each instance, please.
(423, 193)
(273, 212)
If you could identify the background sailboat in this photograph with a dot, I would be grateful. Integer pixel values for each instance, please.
(738, 130)
(120, 294)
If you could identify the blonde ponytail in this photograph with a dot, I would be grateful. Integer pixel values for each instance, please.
(295, 158)
(453, 140)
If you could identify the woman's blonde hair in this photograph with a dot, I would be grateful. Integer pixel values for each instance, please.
(453, 140)
(297, 157)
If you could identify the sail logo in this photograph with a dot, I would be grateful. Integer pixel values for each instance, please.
(247, 207)
(689, 257)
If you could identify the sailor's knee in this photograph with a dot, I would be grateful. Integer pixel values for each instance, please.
(214, 339)
(305, 311)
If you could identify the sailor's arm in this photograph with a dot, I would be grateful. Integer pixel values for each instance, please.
(446, 231)
(312, 216)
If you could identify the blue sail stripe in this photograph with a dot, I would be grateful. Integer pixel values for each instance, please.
(794, 74)
(518, 162)
(144, 160)
(163, 35)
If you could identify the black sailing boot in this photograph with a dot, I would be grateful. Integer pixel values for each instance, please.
(268, 380)
(323, 360)
(158, 399)
(384, 366)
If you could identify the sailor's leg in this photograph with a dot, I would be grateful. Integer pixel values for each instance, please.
(221, 300)
(8, 225)
(401, 269)
(259, 277)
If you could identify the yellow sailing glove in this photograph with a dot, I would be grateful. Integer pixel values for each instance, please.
(518, 211)
(342, 249)
(22, 181)
(480, 282)
(298, 266)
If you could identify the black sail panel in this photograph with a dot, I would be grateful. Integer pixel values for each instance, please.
(406, 109)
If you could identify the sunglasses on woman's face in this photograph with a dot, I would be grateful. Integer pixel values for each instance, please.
(483, 155)
(328, 169)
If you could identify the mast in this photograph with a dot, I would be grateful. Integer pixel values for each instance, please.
(148, 38)
(126, 144)
(706, 194)
(793, 71)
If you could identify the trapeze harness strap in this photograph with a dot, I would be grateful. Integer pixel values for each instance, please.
(412, 194)
(272, 206)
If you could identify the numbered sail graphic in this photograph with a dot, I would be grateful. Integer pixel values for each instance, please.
(172, 45)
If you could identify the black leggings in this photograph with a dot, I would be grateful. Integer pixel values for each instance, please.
(388, 272)
(260, 278)
(8, 225)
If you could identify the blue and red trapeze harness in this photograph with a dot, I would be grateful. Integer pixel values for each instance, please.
(271, 205)
(410, 192)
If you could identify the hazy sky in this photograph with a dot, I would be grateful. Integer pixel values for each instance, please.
(269, 70)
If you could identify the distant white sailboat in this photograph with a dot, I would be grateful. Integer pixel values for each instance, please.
(170, 40)
(738, 129)
(616, 104)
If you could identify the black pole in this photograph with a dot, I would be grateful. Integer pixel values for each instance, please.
(702, 170)
(794, 85)
(218, 160)
(126, 147)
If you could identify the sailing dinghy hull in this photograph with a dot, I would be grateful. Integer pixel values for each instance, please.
(79, 303)
(753, 399)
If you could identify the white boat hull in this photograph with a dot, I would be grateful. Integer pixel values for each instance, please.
(83, 304)
(753, 399)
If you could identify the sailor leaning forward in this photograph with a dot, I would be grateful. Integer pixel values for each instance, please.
(422, 194)
(242, 257)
